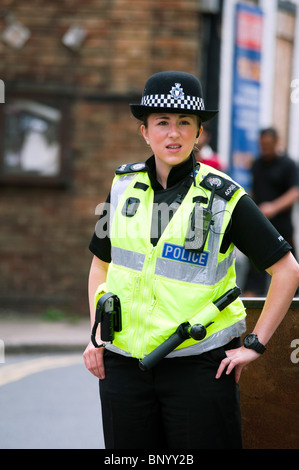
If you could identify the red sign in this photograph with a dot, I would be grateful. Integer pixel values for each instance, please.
(249, 30)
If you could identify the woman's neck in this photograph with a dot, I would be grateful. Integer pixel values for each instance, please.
(162, 177)
(163, 170)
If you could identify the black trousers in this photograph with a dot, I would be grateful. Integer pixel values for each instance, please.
(176, 405)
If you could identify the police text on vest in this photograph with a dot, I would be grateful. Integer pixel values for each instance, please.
(179, 253)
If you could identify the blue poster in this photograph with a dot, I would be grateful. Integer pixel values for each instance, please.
(246, 92)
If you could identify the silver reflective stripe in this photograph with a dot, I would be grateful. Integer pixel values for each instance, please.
(180, 271)
(213, 247)
(214, 341)
(127, 258)
(117, 191)
(220, 338)
(224, 265)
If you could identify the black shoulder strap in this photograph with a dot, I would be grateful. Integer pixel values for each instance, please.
(131, 168)
(225, 188)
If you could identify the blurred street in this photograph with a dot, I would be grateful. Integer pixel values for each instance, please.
(49, 401)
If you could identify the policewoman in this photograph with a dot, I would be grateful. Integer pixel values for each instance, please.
(164, 247)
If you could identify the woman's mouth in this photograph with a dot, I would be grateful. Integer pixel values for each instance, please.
(173, 147)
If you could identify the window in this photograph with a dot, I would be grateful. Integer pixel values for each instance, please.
(33, 149)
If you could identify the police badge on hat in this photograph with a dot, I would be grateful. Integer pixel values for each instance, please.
(177, 92)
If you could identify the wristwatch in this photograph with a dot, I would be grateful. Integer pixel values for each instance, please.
(251, 342)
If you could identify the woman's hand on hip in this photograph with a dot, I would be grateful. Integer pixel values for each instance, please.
(236, 359)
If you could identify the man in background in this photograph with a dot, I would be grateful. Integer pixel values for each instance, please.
(275, 181)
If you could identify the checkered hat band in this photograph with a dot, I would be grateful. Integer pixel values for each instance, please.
(168, 101)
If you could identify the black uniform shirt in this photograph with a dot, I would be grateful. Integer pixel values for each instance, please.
(249, 230)
(271, 179)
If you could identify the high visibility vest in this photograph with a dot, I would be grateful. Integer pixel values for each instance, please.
(162, 286)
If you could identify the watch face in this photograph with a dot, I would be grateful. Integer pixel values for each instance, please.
(250, 340)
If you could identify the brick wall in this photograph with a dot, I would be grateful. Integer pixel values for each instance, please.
(45, 232)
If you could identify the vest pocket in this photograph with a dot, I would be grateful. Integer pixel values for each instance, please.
(125, 285)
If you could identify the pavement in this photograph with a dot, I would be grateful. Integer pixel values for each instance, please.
(23, 334)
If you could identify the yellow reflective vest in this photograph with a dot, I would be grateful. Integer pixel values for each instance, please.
(165, 285)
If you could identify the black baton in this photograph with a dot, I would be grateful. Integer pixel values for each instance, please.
(185, 331)
(165, 348)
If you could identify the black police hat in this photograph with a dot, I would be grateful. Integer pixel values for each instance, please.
(172, 92)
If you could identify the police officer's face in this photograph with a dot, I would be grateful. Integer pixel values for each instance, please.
(171, 136)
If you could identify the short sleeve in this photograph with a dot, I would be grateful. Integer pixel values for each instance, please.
(254, 235)
(100, 244)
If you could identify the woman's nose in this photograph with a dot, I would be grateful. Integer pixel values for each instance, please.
(173, 130)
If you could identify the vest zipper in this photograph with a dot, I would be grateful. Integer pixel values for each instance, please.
(133, 322)
(145, 292)
(145, 304)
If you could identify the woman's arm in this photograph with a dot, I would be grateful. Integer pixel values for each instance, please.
(283, 286)
(284, 283)
(93, 357)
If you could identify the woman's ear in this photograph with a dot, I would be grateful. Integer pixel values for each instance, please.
(143, 130)
(199, 132)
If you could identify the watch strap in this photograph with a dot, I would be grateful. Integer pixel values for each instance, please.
(259, 348)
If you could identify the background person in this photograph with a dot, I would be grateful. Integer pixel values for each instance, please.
(275, 183)
(203, 150)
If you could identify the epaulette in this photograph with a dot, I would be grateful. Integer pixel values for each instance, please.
(131, 168)
(225, 188)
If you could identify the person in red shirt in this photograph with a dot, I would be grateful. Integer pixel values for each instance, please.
(204, 152)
